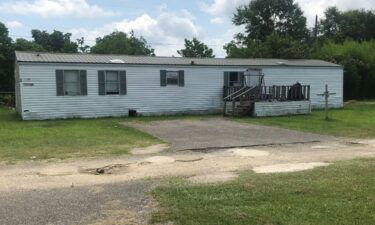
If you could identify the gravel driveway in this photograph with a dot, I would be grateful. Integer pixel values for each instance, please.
(125, 204)
(222, 133)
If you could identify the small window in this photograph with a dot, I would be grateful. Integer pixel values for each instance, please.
(112, 83)
(172, 77)
(71, 83)
(234, 79)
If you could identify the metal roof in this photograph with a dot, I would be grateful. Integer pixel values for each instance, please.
(42, 57)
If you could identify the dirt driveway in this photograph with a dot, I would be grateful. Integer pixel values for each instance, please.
(222, 133)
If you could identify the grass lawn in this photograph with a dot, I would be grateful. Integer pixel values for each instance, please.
(356, 119)
(343, 193)
(20, 140)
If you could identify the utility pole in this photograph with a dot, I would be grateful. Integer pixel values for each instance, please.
(326, 95)
(316, 28)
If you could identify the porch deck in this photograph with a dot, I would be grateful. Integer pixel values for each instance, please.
(242, 99)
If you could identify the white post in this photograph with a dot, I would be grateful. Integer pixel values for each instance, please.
(326, 98)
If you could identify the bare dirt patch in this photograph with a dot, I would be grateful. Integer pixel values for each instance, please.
(153, 149)
(287, 168)
(213, 178)
(247, 152)
(160, 159)
(78, 173)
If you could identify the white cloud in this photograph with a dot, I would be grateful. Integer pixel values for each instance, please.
(222, 7)
(217, 20)
(50, 8)
(166, 32)
(13, 24)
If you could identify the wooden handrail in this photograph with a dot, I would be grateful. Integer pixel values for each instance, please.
(244, 93)
(230, 96)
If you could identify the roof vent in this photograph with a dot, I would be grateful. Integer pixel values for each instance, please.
(116, 61)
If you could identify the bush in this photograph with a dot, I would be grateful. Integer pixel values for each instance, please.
(358, 59)
(8, 100)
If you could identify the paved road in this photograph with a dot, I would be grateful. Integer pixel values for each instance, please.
(105, 204)
(218, 133)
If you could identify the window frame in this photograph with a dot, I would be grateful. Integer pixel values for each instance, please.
(79, 91)
(177, 78)
(118, 82)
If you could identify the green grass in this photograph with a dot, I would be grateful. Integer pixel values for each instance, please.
(356, 119)
(21, 140)
(343, 193)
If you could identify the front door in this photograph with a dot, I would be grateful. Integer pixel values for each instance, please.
(233, 79)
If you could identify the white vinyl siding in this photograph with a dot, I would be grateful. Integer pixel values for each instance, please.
(202, 92)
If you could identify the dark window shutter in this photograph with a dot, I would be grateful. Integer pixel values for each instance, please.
(181, 78)
(163, 78)
(123, 83)
(226, 79)
(241, 77)
(101, 82)
(59, 82)
(83, 81)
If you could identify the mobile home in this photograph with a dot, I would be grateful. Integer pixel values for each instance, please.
(56, 85)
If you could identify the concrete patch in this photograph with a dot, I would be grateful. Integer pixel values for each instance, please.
(153, 149)
(247, 152)
(187, 158)
(321, 147)
(160, 160)
(286, 168)
(213, 178)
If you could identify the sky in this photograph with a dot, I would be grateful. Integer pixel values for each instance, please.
(163, 23)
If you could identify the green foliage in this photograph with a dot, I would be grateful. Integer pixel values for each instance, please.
(6, 60)
(358, 59)
(275, 46)
(353, 24)
(56, 41)
(26, 45)
(82, 48)
(122, 43)
(196, 49)
(264, 17)
(339, 194)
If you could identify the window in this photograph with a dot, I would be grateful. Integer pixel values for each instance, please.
(112, 83)
(172, 78)
(71, 82)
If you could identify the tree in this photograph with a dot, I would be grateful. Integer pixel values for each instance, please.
(196, 49)
(6, 60)
(264, 17)
(56, 41)
(357, 25)
(275, 46)
(122, 43)
(81, 45)
(26, 45)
